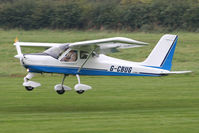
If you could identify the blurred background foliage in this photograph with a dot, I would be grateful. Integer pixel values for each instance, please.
(130, 15)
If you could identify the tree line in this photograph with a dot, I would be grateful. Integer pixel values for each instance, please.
(132, 15)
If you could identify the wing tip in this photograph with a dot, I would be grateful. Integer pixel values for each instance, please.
(131, 40)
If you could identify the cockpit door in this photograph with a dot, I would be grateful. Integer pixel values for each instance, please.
(69, 56)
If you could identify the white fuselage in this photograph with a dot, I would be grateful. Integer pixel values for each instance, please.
(96, 65)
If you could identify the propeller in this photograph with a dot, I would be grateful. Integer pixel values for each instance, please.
(19, 55)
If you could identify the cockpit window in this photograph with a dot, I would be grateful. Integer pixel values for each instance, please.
(83, 54)
(71, 56)
(56, 51)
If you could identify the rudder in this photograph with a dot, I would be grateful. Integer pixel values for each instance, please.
(162, 55)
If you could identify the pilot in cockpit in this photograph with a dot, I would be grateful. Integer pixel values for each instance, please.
(70, 56)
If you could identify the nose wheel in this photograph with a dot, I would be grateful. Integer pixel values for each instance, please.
(30, 85)
(29, 88)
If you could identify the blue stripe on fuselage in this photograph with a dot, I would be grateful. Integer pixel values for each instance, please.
(84, 71)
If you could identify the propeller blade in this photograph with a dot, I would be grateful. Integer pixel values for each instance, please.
(19, 56)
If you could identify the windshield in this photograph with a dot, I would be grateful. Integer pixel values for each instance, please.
(56, 51)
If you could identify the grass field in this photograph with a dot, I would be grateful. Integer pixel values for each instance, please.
(168, 104)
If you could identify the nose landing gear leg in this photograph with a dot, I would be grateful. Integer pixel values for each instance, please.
(30, 85)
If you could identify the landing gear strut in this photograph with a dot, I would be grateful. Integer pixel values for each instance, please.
(61, 88)
(30, 85)
(81, 88)
(61, 91)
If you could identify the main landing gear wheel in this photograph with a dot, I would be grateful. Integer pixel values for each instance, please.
(80, 91)
(29, 88)
(60, 91)
(81, 88)
(61, 88)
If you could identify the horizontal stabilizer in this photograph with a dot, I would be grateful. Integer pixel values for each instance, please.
(178, 72)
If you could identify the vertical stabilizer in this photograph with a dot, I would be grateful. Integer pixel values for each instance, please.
(162, 55)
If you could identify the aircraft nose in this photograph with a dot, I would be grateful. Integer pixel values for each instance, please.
(27, 59)
(22, 60)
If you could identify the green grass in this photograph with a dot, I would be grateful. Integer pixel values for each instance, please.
(168, 104)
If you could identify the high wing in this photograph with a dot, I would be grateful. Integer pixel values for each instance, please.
(107, 44)
(100, 45)
(33, 44)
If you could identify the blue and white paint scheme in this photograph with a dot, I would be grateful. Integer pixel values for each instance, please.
(89, 59)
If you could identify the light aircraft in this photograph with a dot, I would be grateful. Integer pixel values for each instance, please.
(88, 58)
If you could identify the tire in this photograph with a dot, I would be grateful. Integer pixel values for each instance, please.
(29, 88)
(80, 91)
(60, 92)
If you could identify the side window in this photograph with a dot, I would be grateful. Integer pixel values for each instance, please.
(71, 56)
(83, 54)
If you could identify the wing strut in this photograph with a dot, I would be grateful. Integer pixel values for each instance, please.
(85, 61)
